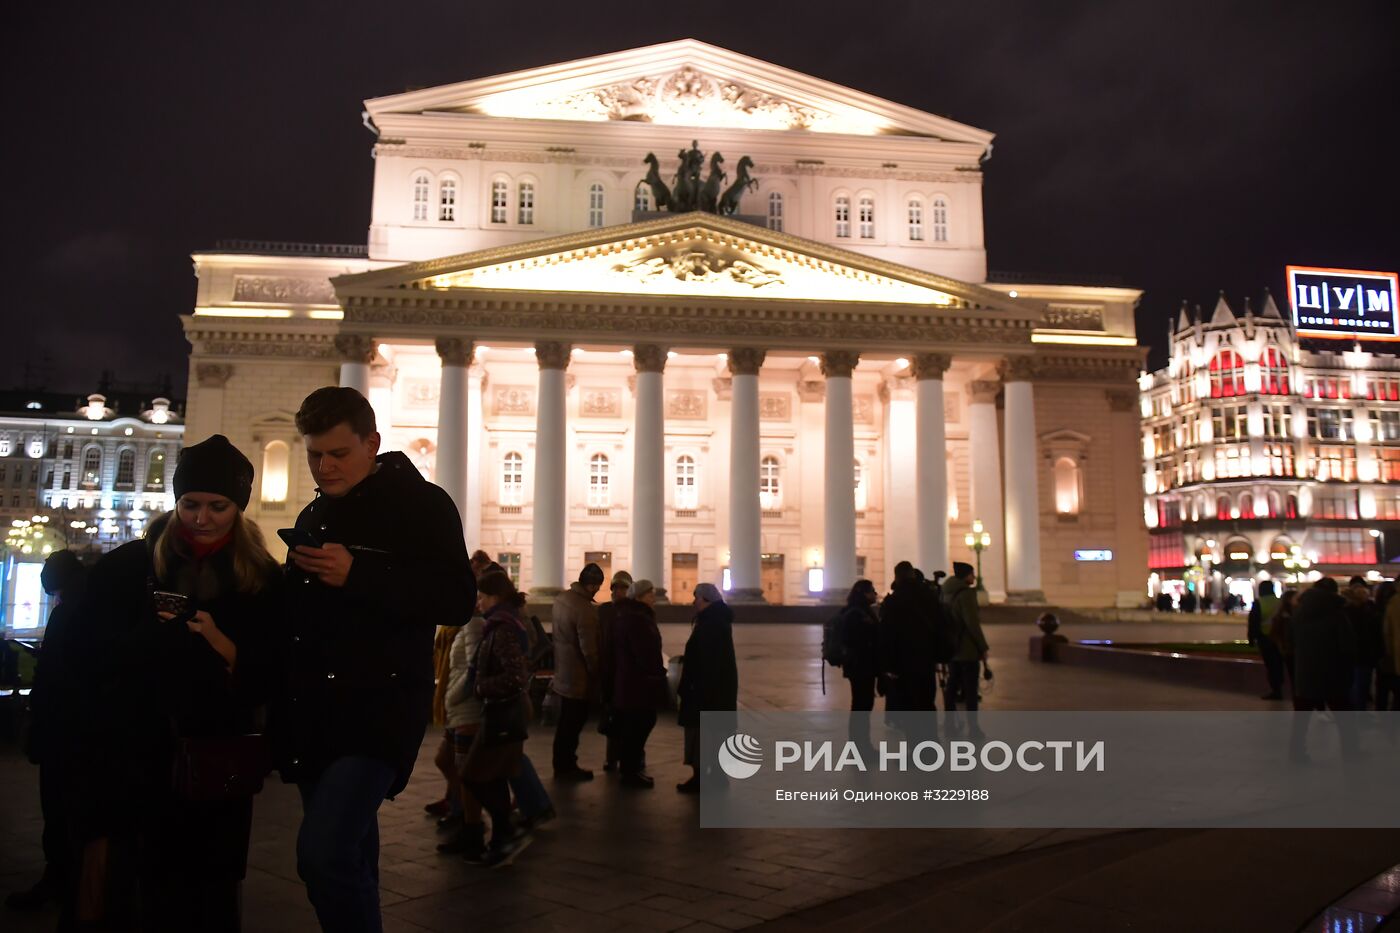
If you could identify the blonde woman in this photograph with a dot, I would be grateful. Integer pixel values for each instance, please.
(176, 627)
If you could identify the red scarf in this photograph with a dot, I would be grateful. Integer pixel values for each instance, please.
(201, 549)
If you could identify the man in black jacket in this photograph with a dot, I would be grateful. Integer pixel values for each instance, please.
(906, 642)
(388, 564)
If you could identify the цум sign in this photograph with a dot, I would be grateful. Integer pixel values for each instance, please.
(1344, 304)
(1093, 554)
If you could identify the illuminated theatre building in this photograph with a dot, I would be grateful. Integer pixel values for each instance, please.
(1267, 458)
(807, 390)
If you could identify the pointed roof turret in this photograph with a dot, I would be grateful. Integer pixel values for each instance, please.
(1270, 309)
(1183, 319)
(1222, 313)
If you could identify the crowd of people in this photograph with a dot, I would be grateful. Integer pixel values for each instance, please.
(182, 668)
(186, 666)
(1328, 646)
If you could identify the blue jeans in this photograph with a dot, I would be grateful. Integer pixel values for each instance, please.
(338, 845)
(530, 795)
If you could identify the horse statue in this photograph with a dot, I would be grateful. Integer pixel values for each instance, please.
(710, 191)
(729, 202)
(660, 194)
(684, 190)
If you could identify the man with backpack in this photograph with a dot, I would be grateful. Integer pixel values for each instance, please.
(907, 642)
(970, 647)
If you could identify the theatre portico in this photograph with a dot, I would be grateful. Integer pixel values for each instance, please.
(778, 402)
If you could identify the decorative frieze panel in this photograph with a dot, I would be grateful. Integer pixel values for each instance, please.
(513, 400)
(600, 403)
(774, 406)
(699, 266)
(686, 405)
(421, 393)
(863, 409)
(1073, 317)
(270, 289)
(280, 345)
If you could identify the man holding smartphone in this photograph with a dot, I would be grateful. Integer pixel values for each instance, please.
(378, 561)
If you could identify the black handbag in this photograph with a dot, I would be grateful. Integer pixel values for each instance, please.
(220, 768)
(505, 721)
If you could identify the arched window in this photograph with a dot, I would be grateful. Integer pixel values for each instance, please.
(642, 199)
(1275, 504)
(526, 203)
(595, 205)
(1274, 378)
(916, 219)
(275, 472)
(775, 211)
(770, 489)
(843, 216)
(155, 470)
(500, 201)
(1238, 551)
(687, 496)
(598, 497)
(858, 476)
(447, 199)
(867, 218)
(126, 469)
(1226, 375)
(422, 187)
(1222, 508)
(1291, 507)
(92, 467)
(1247, 506)
(940, 220)
(512, 479)
(1067, 484)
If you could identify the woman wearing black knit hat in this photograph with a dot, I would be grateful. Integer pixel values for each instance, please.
(176, 629)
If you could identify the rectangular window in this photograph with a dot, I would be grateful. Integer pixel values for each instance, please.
(447, 199)
(867, 219)
(843, 217)
(595, 205)
(916, 220)
(499, 202)
(1342, 546)
(527, 203)
(1389, 463)
(1325, 423)
(1335, 463)
(1388, 426)
(510, 563)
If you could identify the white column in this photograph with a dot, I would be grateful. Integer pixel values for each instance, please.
(985, 450)
(1022, 496)
(357, 353)
(550, 504)
(839, 501)
(471, 519)
(745, 513)
(648, 469)
(453, 421)
(931, 494)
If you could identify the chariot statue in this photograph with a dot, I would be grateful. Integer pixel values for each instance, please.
(688, 192)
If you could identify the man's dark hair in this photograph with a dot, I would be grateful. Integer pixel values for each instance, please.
(1326, 585)
(1357, 581)
(62, 570)
(591, 575)
(325, 408)
(1266, 588)
(903, 570)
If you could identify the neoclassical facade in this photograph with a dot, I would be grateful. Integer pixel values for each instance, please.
(782, 400)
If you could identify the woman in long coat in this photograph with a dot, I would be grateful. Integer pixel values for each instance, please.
(500, 676)
(709, 673)
(166, 671)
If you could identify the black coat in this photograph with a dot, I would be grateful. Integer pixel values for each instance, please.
(149, 681)
(710, 673)
(859, 636)
(56, 699)
(360, 669)
(906, 630)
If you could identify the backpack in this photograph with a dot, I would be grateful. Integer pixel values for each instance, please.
(834, 640)
(947, 633)
(540, 650)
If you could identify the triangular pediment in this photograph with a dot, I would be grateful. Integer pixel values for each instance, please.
(693, 255)
(684, 83)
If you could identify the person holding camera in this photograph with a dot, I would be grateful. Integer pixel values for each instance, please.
(174, 631)
(377, 559)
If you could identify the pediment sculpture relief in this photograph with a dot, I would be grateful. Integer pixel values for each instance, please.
(690, 264)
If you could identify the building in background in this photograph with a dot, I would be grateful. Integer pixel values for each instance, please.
(1267, 457)
(810, 389)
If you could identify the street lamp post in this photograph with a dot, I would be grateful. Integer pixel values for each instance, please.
(1296, 563)
(979, 540)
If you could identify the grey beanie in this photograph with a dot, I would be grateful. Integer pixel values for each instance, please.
(640, 588)
(708, 592)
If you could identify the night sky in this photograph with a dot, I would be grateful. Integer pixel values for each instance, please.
(1181, 147)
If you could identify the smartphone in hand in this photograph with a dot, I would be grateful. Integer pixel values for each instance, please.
(295, 537)
(177, 604)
